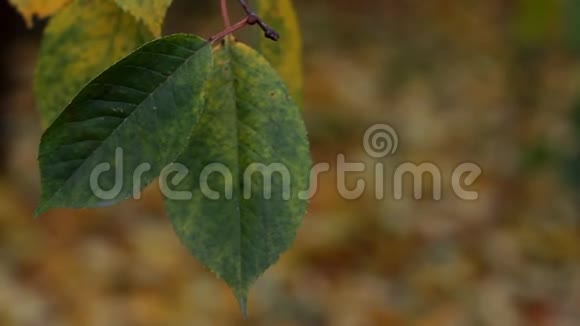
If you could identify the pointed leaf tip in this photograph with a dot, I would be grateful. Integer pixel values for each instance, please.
(37, 213)
(243, 302)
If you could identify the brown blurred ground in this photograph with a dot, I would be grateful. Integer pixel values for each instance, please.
(493, 82)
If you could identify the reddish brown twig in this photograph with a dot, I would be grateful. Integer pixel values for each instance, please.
(235, 27)
(225, 13)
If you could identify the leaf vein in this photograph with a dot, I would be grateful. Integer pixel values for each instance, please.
(175, 57)
(155, 72)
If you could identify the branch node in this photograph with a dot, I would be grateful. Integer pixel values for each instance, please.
(254, 19)
(250, 19)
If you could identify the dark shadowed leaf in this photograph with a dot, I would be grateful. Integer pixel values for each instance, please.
(145, 106)
(249, 119)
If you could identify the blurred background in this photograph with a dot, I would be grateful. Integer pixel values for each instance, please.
(492, 82)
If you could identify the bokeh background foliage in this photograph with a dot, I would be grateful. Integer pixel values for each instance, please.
(494, 82)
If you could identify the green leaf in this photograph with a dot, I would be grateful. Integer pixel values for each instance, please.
(79, 43)
(39, 8)
(151, 12)
(285, 55)
(146, 105)
(248, 118)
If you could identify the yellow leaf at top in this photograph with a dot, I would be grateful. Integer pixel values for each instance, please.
(39, 8)
(150, 12)
(285, 55)
(79, 43)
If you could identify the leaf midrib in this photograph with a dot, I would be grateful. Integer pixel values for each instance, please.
(231, 81)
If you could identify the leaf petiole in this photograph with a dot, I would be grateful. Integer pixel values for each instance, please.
(225, 13)
(235, 27)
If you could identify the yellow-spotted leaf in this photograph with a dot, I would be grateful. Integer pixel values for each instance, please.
(285, 55)
(39, 8)
(150, 12)
(79, 43)
(252, 135)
